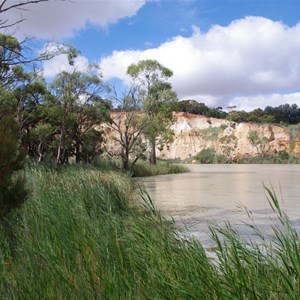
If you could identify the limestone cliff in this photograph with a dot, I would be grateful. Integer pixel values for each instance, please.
(193, 133)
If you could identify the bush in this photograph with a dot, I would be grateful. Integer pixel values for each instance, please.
(12, 186)
(209, 156)
(283, 155)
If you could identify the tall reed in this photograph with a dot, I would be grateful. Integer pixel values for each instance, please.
(80, 236)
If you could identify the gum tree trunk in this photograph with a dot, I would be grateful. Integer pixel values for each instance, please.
(152, 152)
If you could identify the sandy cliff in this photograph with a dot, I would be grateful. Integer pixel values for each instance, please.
(192, 133)
(195, 132)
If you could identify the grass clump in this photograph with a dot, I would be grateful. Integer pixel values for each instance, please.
(79, 237)
(262, 269)
(143, 169)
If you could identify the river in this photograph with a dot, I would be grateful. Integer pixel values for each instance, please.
(215, 193)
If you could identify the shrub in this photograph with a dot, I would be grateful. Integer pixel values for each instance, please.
(283, 155)
(12, 186)
(209, 156)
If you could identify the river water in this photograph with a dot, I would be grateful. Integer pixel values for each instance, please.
(215, 193)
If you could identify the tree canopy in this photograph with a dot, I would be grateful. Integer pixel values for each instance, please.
(158, 100)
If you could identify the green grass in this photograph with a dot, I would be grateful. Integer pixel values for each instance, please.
(143, 169)
(80, 236)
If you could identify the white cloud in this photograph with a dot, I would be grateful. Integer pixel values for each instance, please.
(60, 19)
(60, 63)
(249, 57)
(248, 103)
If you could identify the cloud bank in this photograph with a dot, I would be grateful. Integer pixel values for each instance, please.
(250, 59)
(58, 19)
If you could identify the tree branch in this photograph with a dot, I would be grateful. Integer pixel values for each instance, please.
(18, 5)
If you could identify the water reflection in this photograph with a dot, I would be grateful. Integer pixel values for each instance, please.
(213, 193)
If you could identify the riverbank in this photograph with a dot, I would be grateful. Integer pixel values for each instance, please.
(143, 168)
(78, 236)
(209, 156)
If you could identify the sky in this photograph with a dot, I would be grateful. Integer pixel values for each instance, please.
(243, 53)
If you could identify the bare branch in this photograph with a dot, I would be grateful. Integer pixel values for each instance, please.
(21, 5)
(3, 24)
(18, 5)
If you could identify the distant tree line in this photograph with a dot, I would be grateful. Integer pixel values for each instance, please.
(282, 114)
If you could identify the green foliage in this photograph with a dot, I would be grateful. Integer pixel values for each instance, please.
(192, 106)
(10, 51)
(206, 156)
(73, 110)
(157, 101)
(12, 187)
(149, 70)
(282, 114)
(238, 116)
(209, 156)
(216, 112)
(283, 155)
(285, 113)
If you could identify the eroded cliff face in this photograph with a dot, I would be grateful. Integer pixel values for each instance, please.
(193, 133)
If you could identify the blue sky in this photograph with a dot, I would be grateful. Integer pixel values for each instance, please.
(158, 21)
(222, 52)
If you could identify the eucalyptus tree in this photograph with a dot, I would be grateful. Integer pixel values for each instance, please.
(128, 125)
(158, 99)
(10, 52)
(76, 107)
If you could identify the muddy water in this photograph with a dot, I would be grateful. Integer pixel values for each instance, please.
(215, 194)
